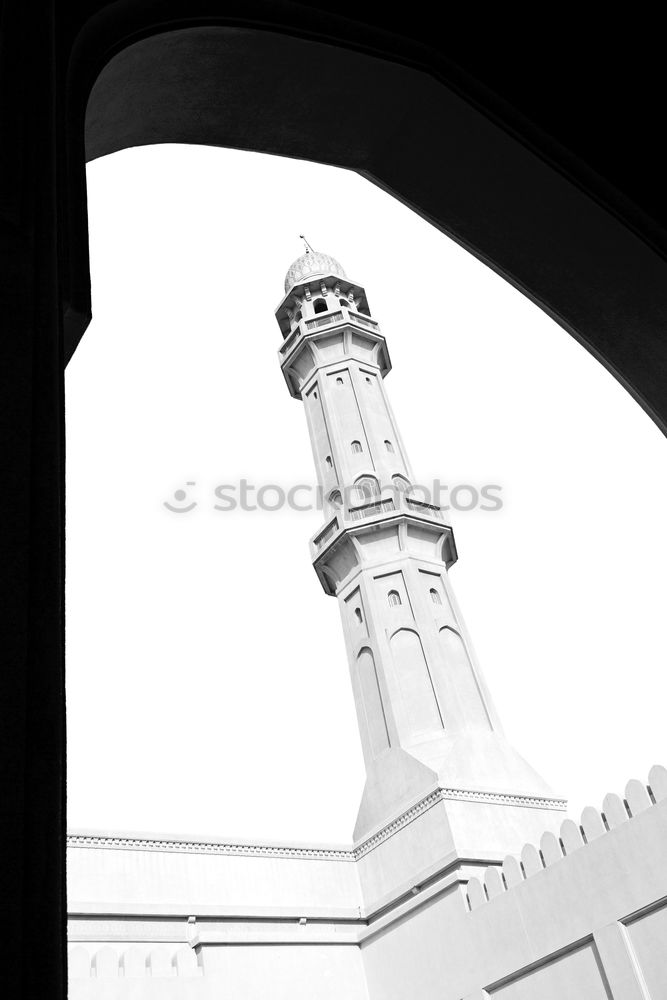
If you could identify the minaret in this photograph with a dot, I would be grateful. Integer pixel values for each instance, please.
(427, 722)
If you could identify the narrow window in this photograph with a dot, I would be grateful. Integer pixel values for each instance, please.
(356, 447)
(320, 306)
(358, 615)
(344, 302)
(389, 446)
(400, 483)
(328, 461)
(336, 499)
(435, 596)
(339, 381)
(394, 598)
(298, 316)
(315, 395)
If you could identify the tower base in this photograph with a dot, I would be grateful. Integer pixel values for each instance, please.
(469, 799)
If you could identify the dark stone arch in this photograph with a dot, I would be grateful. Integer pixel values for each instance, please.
(498, 152)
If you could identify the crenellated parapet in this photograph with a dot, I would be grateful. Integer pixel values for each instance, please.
(554, 848)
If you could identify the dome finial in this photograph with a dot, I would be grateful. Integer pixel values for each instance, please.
(309, 249)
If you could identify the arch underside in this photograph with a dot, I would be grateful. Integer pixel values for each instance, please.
(410, 134)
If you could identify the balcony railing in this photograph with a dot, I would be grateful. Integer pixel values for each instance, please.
(321, 540)
(374, 508)
(370, 509)
(325, 320)
(364, 320)
(290, 341)
(420, 507)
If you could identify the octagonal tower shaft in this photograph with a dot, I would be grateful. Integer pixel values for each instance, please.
(424, 712)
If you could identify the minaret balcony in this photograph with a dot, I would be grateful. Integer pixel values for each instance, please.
(326, 321)
(375, 514)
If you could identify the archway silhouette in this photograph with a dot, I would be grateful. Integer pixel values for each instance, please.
(432, 134)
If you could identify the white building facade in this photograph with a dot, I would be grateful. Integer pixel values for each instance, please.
(464, 878)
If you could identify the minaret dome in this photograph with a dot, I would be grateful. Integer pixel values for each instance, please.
(311, 264)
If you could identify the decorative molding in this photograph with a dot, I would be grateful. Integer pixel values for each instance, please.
(208, 847)
(368, 845)
(457, 794)
(144, 843)
(505, 799)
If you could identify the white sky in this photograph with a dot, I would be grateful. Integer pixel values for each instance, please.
(208, 687)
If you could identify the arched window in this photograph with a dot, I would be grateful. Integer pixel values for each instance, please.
(344, 302)
(315, 395)
(328, 461)
(400, 483)
(319, 306)
(394, 598)
(389, 446)
(358, 615)
(368, 488)
(356, 447)
(298, 316)
(336, 499)
(435, 596)
(339, 381)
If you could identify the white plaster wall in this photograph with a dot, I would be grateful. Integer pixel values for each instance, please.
(278, 972)
(191, 882)
(590, 925)
(577, 974)
(148, 989)
(319, 972)
(583, 916)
